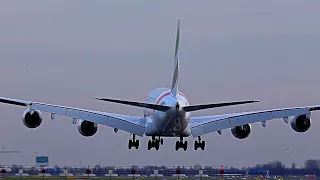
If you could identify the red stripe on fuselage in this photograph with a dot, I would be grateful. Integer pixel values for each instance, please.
(162, 96)
(180, 93)
(166, 94)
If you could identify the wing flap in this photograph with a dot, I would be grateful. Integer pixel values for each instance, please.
(50, 108)
(247, 119)
(209, 127)
(127, 126)
(207, 124)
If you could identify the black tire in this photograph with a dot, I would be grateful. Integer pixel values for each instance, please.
(130, 144)
(137, 144)
(177, 145)
(203, 145)
(161, 141)
(181, 144)
(157, 144)
(185, 145)
(149, 145)
(195, 145)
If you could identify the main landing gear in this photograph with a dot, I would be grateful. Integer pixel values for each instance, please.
(155, 143)
(133, 142)
(199, 144)
(180, 144)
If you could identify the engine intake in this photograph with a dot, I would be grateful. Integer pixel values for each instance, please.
(241, 132)
(32, 118)
(301, 123)
(87, 128)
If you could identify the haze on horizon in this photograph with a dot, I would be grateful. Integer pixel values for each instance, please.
(68, 52)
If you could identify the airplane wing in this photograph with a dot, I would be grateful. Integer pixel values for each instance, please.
(131, 124)
(207, 124)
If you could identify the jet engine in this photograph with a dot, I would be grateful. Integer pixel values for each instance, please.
(32, 118)
(87, 128)
(301, 123)
(241, 132)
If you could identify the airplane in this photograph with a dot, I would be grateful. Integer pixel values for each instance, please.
(166, 113)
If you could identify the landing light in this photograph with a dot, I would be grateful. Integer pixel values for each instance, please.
(177, 106)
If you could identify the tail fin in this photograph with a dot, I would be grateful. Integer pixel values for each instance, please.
(174, 87)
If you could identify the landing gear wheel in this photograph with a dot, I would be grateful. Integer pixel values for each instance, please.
(130, 144)
(180, 144)
(157, 144)
(185, 145)
(199, 144)
(177, 145)
(149, 145)
(133, 143)
(203, 145)
(137, 144)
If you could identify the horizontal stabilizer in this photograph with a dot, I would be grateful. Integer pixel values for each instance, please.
(138, 104)
(14, 101)
(208, 106)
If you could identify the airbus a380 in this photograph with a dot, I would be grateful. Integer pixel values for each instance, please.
(167, 113)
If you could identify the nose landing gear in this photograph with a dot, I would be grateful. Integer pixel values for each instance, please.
(133, 143)
(180, 144)
(155, 143)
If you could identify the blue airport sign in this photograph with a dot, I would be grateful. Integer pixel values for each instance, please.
(42, 160)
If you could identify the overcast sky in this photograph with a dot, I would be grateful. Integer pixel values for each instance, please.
(68, 52)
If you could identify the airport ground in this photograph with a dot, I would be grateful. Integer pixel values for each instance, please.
(148, 172)
(144, 178)
(151, 178)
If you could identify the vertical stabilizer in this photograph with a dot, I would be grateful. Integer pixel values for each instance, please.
(174, 87)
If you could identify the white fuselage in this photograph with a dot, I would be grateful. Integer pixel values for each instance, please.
(171, 123)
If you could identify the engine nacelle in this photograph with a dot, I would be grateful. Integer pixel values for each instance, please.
(241, 132)
(301, 123)
(32, 118)
(87, 128)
